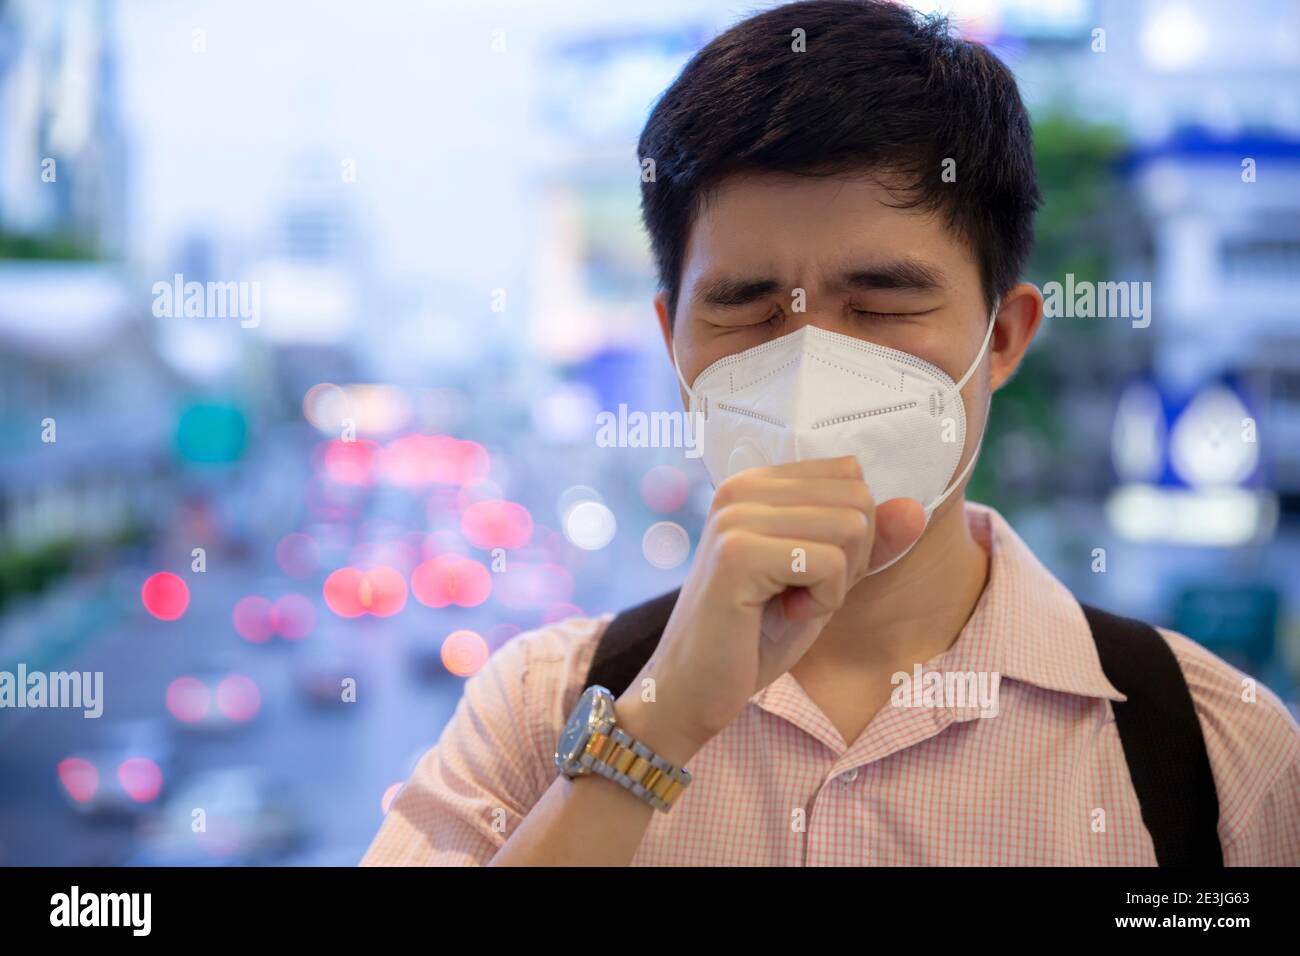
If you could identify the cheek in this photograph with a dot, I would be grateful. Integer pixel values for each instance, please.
(954, 354)
(931, 344)
(690, 361)
(697, 349)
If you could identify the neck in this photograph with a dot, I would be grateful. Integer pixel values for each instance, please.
(912, 610)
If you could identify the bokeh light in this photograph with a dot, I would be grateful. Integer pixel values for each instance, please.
(188, 699)
(497, 524)
(414, 461)
(666, 544)
(665, 488)
(342, 592)
(238, 698)
(252, 619)
(450, 579)
(590, 525)
(79, 778)
(165, 596)
(464, 652)
(141, 778)
(293, 617)
(382, 591)
(326, 406)
(211, 433)
(350, 462)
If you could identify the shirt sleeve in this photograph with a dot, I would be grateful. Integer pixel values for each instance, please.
(1253, 743)
(492, 763)
(1272, 835)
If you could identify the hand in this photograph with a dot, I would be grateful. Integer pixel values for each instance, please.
(781, 548)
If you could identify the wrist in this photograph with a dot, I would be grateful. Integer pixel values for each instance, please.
(653, 724)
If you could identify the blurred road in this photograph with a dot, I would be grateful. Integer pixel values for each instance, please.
(335, 753)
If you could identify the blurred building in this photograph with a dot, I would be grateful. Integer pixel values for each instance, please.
(63, 155)
(76, 361)
(76, 367)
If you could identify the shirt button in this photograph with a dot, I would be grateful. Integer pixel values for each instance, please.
(848, 776)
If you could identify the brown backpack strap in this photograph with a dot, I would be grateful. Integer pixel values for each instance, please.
(628, 642)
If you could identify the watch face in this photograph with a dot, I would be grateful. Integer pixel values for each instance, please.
(578, 730)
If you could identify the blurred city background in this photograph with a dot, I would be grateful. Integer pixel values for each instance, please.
(379, 462)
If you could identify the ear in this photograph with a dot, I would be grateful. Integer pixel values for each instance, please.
(1019, 315)
(666, 330)
(665, 321)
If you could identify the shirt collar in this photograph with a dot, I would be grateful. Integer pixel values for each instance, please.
(1026, 626)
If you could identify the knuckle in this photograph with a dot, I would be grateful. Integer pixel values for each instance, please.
(837, 565)
(723, 518)
(729, 546)
(856, 526)
(729, 491)
(731, 517)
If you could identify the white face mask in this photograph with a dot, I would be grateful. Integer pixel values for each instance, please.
(819, 394)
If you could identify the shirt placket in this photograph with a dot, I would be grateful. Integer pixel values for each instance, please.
(844, 826)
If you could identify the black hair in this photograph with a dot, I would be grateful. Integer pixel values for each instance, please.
(879, 87)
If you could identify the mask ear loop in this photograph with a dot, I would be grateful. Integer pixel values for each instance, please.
(988, 337)
(988, 407)
(678, 369)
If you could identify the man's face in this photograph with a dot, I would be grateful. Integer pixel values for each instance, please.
(894, 277)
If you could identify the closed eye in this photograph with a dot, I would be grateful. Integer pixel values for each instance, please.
(770, 322)
(744, 322)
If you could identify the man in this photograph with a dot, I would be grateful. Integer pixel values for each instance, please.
(841, 203)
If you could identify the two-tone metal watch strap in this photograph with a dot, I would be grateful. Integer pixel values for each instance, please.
(633, 765)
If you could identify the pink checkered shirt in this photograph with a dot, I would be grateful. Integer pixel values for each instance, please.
(921, 786)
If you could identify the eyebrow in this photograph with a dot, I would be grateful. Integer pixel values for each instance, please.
(904, 274)
(735, 291)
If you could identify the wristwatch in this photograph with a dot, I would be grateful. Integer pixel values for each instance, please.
(592, 742)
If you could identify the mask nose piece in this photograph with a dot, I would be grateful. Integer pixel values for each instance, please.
(746, 455)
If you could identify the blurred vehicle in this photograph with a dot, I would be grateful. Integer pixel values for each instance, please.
(320, 671)
(232, 816)
(122, 778)
(213, 701)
